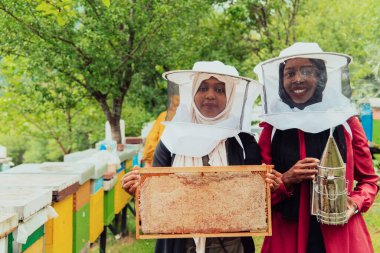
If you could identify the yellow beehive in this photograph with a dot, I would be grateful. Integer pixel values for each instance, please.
(96, 214)
(37, 247)
(121, 197)
(59, 231)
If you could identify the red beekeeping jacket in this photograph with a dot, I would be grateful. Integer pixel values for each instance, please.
(353, 237)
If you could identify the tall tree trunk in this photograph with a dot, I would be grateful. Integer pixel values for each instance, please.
(115, 128)
(113, 116)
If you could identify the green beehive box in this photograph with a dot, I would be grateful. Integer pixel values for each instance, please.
(81, 232)
(109, 206)
(10, 243)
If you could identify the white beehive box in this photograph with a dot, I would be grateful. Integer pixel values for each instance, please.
(128, 152)
(76, 156)
(84, 171)
(109, 184)
(100, 166)
(59, 185)
(45, 181)
(23, 201)
(8, 223)
(93, 156)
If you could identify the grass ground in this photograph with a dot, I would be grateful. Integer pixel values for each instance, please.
(372, 218)
(130, 245)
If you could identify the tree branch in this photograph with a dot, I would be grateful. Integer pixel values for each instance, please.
(87, 59)
(41, 36)
(91, 3)
(50, 133)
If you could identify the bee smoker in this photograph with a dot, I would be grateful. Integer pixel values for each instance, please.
(329, 188)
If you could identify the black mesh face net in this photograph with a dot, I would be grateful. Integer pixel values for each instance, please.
(172, 101)
(346, 84)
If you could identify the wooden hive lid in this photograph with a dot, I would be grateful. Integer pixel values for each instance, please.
(25, 201)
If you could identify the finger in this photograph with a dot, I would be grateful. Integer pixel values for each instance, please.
(276, 173)
(309, 171)
(299, 175)
(309, 160)
(305, 169)
(133, 188)
(308, 177)
(272, 183)
(127, 185)
(278, 180)
(130, 190)
(351, 204)
(133, 172)
(303, 172)
(271, 177)
(307, 166)
(349, 213)
(130, 178)
(274, 176)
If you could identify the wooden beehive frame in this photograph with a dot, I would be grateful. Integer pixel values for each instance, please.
(159, 171)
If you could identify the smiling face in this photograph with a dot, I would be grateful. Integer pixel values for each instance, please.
(300, 79)
(210, 98)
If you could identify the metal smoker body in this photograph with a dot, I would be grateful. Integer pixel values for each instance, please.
(329, 191)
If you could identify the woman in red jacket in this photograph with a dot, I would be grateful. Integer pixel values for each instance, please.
(305, 97)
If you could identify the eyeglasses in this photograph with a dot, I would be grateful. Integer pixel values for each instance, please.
(305, 72)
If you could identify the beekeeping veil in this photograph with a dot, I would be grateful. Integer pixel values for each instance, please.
(330, 105)
(189, 133)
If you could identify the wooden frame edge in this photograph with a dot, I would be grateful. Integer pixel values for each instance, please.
(232, 234)
(236, 168)
(137, 208)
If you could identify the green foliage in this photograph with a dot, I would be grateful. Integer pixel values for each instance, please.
(246, 32)
(107, 3)
(152, 97)
(99, 46)
(135, 117)
(46, 108)
(350, 27)
(16, 145)
(372, 219)
(41, 150)
(376, 165)
(69, 65)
